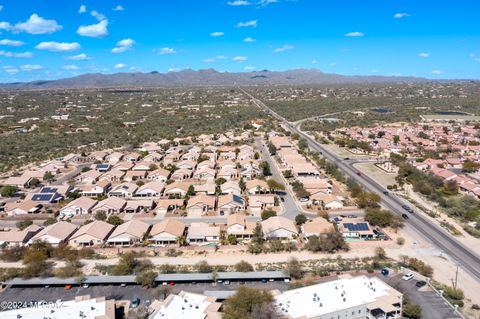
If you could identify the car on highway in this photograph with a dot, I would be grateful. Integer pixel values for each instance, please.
(405, 216)
(385, 193)
(420, 283)
(407, 208)
(359, 174)
(408, 276)
(346, 158)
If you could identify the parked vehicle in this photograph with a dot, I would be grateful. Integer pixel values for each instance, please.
(135, 302)
(385, 272)
(420, 283)
(67, 287)
(408, 276)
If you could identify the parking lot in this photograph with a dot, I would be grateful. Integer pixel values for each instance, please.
(433, 306)
(120, 293)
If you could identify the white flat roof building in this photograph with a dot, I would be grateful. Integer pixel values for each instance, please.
(347, 298)
(82, 307)
(187, 305)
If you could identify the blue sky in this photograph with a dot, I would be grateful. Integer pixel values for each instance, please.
(49, 39)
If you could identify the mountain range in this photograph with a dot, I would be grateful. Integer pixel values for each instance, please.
(208, 77)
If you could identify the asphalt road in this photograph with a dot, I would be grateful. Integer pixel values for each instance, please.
(465, 258)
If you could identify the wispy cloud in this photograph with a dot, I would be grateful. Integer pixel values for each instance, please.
(82, 9)
(217, 34)
(118, 8)
(283, 48)
(240, 58)
(209, 60)
(70, 67)
(424, 55)
(252, 23)
(437, 72)
(16, 54)
(30, 67)
(11, 43)
(120, 66)
(123, 45)
(163, 51)
(78, 57)
(354, 34)
(239, 3)
(248, 39)
(58, 46)
(400, 15)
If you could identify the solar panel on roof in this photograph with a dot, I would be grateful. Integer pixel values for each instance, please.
(356, 227)
(48, 190)
(42, 197)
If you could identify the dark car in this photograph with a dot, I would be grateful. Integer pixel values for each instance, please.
(405, 216)
(385, 272)
(420, 283)
(346, 158)
(135, 302)
(385, 193)
(407, 208)
(359, 174)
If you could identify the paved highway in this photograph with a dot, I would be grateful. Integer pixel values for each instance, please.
(464, 257)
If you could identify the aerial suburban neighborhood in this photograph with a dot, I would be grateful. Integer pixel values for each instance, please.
(239, 159)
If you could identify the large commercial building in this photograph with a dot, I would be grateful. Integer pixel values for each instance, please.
(348, 298)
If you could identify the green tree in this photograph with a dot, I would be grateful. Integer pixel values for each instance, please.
(274, 185)
(126, 265)
(48, 177)
(266, 214)
(243, 266)
(232, 239)
(246, 301)
(257, 236)
(114, 220)
(265, 167)
(203, 267)
(146, 278)
(49, 221)
(294, 268)
(412, 311)
(300, 219)
(21, 225)
(101, 215)
(382, 218)
(8, 191)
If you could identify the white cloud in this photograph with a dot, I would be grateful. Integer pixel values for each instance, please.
(30, 67)
(400, 15)
(248, 39)
(354, 34)
(240, 58)
(314, 61)
(333, 64)
(16, 55)
(217, 34)
(11, 70)
(58, 46)
(209, 60)
(285, 47)
(249, 68)
(11, 43)
(220, 57)
(238, 3)
(424, 55)
(165, 50)
(82, 9)
(70, 67)
(123, 45)
(120, 66)
(98, 30)
(252, 23)
(267, 2)
(78, 57)
(437, 72)
(118, 8)
(34, 25)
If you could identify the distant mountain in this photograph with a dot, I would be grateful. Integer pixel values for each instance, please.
(206, 78)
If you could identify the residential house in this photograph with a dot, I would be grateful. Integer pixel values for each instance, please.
(318, 226)
(208, 188)
(99, 189)
(91, 234)
(110, 205)
(229, 204)
(256, 186)
(228, 173)
(136, 206)
(238, 226)
(16, 238)
(278, 227)
(200, 204)
(159, 174)
(165, 205)
(55, 234)
(22, 207)
(115, 175)
(259, 203)
(205, 173)
(231, 187)
(129, 233)
(88, 177)
(151, 189)
(181, 174)
(352, 228)
(131, 176)
(200, 233)
(327, 201)
(167, 232)
(178, 189)
(125, 190)
(79, 206)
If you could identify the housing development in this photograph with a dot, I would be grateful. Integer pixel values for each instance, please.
(239, 159)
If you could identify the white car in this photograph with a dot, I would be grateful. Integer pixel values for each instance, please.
(408, 276)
